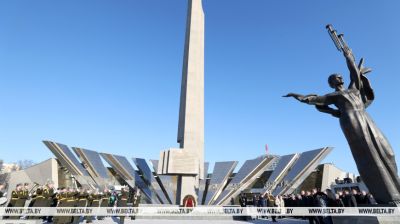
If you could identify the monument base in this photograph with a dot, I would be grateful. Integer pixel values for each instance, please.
(186, 188)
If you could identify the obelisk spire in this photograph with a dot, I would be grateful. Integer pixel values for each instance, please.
(191, 111)
(187, 162)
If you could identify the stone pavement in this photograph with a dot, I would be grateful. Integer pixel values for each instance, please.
(155, 221)
(159, 221)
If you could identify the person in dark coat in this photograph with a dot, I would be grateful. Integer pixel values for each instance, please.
(303, 198)
(349, 200)
(371, 199)
(293, 201)
(321, 200)
(311, 199)
(357, 196)
(261, 201)
(242, 200)
(363, 199)
(331, 198)
(255, 202)
(299, 201)
(339, 201)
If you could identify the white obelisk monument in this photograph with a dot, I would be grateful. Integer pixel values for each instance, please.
(188, 161)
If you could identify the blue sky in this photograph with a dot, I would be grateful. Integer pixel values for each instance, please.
(105, 75)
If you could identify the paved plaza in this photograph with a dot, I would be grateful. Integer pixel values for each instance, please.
(155, 221)
(158, 221)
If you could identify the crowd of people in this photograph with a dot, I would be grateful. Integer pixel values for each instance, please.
(47, 196)
(313, 198)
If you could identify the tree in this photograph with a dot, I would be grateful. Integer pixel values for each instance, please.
(23, 164)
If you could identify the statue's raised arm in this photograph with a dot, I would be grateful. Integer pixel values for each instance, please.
(357, 72)
(371, 151)
(355, 81)
(342, 46)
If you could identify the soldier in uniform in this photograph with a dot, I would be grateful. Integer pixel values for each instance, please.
(105, 199)
(50, 198)
(23, 195)
(135, 199)
(13, 200)
(81, 201)
(14, 196)
(90, 199)
(71, 202)
(38, 200)
(123, 201)
(271, 203)
(95, 199)
(62, 198)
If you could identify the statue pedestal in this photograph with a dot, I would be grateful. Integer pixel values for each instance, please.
(185, 164)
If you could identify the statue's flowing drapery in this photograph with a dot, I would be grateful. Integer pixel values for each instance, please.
(371, 150)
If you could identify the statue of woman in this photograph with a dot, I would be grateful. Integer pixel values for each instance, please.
(371, 150)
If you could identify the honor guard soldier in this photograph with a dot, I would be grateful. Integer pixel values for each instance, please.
(14, 196)
(71, 202)
(49, 195)
(13, 200)
(135, 199)
(38, 200)
(123, 201)
(94, 200)
(62, 198)
(81, 202)
(105, 200)
(89, 204)
(23, 195)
